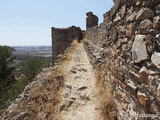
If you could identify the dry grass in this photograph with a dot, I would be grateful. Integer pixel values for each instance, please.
(69, 52)
(42, 98)
(107, 105)
(67, 56)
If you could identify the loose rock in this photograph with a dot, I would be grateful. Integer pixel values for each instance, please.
(144, 13)
(139, 52)
(156, 59)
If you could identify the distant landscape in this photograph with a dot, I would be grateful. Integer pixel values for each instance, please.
(27, 63)
(38, 51)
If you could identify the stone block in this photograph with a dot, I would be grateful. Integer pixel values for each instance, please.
(114, 9)
(121, 31)
(138, 2)
(145, 26)
(139, 52)
(131, 17)
(143, 75)
(114, 34)
(125, 98)
(142, 98)
(157, 10)
(124, 106)
(131, 85)
(154, 3)
(134, 75)
(156, 59)
(156, 22)
(123, 11)
(144, 13)
(130, 30)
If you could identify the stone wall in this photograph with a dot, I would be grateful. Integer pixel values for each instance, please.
(91, 20)
(62, 38)
(126, 49)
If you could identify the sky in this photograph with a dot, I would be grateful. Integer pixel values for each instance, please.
(29, 22)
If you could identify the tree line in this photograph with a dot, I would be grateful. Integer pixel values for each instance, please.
(11, 85)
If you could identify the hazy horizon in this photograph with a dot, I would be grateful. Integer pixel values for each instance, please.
(28, 23)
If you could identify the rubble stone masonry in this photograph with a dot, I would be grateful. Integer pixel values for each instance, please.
(91, 20)
(126, 49)
(62, 39)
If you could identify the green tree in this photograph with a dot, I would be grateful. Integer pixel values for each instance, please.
(32, 66)
(17, 87)
(6, 70)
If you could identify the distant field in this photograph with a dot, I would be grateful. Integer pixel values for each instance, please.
(39, 51)
(42, 52)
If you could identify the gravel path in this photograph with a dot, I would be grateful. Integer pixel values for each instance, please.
(79, 95)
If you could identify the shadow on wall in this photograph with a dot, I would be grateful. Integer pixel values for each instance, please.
(62, 39)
